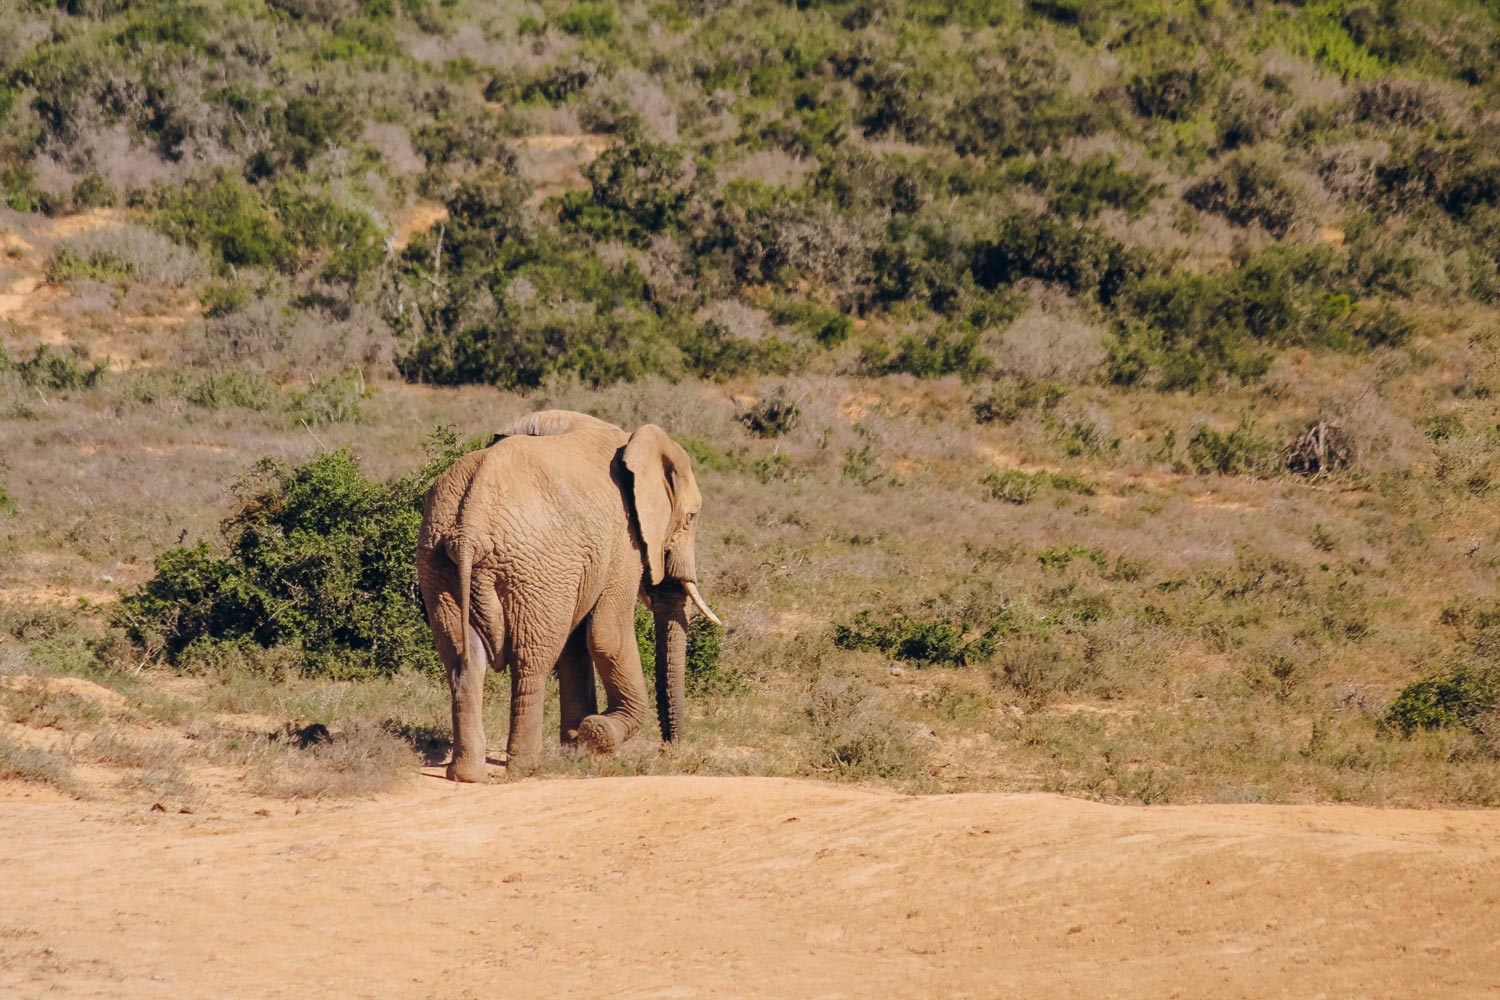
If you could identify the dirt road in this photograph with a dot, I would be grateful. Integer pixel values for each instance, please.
(732, 887)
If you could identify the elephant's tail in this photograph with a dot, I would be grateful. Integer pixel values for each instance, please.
(462, 555)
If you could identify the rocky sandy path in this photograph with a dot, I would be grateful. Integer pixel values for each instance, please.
(734, 887)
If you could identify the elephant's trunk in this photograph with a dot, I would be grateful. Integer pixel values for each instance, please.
(670, 604)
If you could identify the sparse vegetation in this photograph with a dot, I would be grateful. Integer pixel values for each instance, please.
(1146, 404)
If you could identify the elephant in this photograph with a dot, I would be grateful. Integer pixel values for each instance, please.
(532, 553)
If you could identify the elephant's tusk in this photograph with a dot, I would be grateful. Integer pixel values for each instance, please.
(702, 605)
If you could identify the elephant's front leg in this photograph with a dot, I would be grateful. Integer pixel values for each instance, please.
(575, 682)
(611, 642)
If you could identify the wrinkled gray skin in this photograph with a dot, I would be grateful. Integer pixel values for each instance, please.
(532, 554)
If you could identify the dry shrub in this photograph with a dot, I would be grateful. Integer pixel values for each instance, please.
(268, 336)
(19, 762)
(1396, 102)
(644, 96)
(1348, 168)
(1051, 342)
(359, 758)
(854, 734)
(738, 320)
(1321, 449)
(110, 747)
(142, 254)
(393, 143)
(775, 167)
(128, 165)
(832, 251)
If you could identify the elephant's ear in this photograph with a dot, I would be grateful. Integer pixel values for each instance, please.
(655, 462)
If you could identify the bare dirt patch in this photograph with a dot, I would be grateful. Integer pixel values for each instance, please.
(732, 887)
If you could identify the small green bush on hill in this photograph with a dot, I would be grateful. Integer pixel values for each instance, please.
(316, 563)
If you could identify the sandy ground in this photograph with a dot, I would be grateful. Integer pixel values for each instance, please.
(741, 887)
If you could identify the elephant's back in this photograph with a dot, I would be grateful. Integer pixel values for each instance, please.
(531, 495)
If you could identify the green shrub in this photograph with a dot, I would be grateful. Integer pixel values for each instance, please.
(66, 265)
(635, 188)
(712, 351)
(228, 219)
(925, 642)
(1007, 401)
(1239, 451)
(318, 560)
(1062, 556)
(933, 356)
(1246, 192)
(1084, 188)
(244, 390)
(589, 20)
(49, 369)
(1182, 331)
(1084, 437)
(1084, 259)
(334, 399)
(1467, 695)
(1018, 487)
(828, 327)
(1173, 93)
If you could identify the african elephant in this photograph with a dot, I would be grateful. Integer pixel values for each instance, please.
(531, 555)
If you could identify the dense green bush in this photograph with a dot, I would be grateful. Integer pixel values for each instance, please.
(229, 220)
(932, 356)
(1185, 329)
(831, 163)
(1467, 695)
(1087, 187)
(317, 561)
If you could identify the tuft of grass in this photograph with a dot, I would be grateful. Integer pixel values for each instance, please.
(853, 737)
(356, 759)
(19, 762)
(42, 706)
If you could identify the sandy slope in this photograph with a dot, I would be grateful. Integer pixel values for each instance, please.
(725, 887)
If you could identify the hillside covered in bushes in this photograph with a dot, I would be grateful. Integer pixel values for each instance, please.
(1163, 194)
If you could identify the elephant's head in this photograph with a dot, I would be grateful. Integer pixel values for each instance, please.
(666, 501)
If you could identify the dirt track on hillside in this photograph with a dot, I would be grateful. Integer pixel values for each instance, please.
(731, 887)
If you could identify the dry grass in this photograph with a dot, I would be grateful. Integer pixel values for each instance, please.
(1172, 637)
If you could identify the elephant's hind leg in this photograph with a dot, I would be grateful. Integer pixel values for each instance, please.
(575, 682)
(439, 582)
(533, 655)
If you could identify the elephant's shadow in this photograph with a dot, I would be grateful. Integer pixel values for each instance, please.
(434, 745)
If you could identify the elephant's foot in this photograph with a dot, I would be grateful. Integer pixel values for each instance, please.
(520, 767)
(468, 770)
(600, 734)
